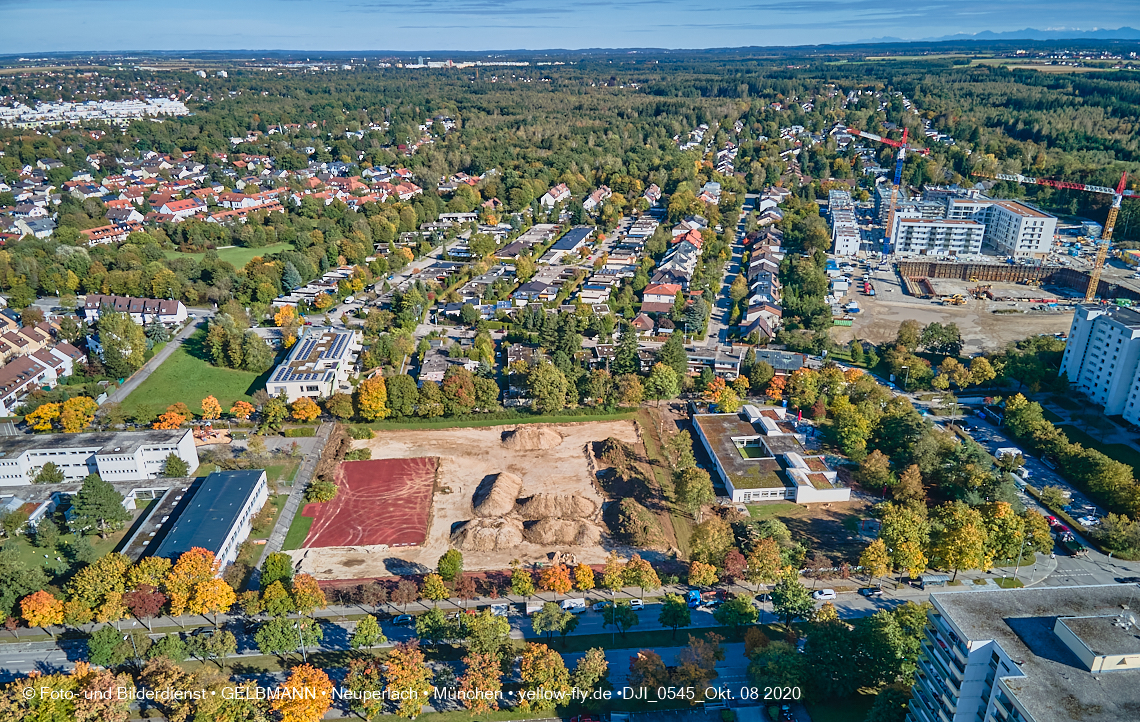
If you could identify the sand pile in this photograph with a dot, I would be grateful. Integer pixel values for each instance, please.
(485, 535)
(559, 531)
(500, 496)
(531, 437)
(557, 506)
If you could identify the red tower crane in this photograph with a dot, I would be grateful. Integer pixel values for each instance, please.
(903, 147)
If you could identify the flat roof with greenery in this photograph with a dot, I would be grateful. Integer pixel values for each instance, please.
(743, 473)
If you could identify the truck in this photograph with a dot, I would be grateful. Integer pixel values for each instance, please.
(574, 606)
(1070, 544)
(500, 610)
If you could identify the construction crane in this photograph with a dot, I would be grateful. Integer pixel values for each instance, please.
(903, 147)
(1118, 195)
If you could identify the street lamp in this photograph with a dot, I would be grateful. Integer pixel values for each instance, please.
(906, 381)
(301, 639)
(1020, 551)
(138, 663)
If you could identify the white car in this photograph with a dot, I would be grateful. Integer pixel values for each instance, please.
(637, 603)
(600, 606)
(823, 594)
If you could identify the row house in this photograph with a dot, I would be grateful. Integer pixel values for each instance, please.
(240, 214)
(41, 369)
(181, 210)
(113, 233)
(143, 311)
(555, 195)
(596, 198)
(26, 340)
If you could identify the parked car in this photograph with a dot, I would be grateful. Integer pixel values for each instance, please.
(823, 594)
(600, 606)
(637, 603)
(786, 713)
(402, 620)
(871, 592)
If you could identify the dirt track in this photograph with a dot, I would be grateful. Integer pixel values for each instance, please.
(467, 456)
(982, 330)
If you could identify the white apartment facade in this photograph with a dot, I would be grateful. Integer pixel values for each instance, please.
(318, 365)
(120, 456)
(844, 226)
(1012, 227)
(1102, 358)
(937, 237)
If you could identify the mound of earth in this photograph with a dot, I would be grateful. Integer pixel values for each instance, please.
(531, 437)
(547, 532)
(500, 496)
(487, 535)
(557, 506)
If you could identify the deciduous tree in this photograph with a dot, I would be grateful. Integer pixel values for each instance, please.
(41, 609)
(555, 578)
(211, 409)
(542, 669)
(307, 594)
(309, 706)
(367, 634)
(305, 409)
(241, 410)
(583, 577)
(77, 414)
(372, 399)
(675, 613)
(875, 560)
(409, 679)
(959, 541)
(481, 683)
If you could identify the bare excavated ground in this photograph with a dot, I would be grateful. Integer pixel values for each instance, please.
(468, 456)
(982, 330)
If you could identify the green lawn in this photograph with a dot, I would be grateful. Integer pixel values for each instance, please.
(278, 502)
(771, 509)
(188, 377)
(1121, 452)
(298, 530)
(236, 255)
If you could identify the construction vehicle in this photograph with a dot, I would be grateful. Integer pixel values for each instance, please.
(1118, 195)
(955, 300)
(903, 147)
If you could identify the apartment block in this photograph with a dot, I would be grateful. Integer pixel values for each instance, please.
(1053, 654)
(1102, 358)
(844, 226)
(318, 365)
(1012, 227)
(937, 237)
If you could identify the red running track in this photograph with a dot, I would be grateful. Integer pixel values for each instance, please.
(381, 501)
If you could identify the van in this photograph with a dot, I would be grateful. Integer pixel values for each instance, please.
(574, 606)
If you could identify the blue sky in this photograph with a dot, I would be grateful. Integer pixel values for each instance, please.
(422, 25)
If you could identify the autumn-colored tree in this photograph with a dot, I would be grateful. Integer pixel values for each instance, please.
(764, 562)
(541, 668)
(481, 682)
(522, 582)
(169, 420)
(214, 596)
(612, 573)
(308, 706)
(242, 410)
(41, 418)
(434, 589)
(285, 315)
(307, 594)
(555, 578)
(77, 414)
(97, 696)
(409, 679)
(875, 560)
(105, 575)
(211, 409)
(305, 409)
(372, 399)
(734, 565)
(112, 609)
(41, 610)
(149, 571)
(584, 577)
(702, 575)
(776, 386)
(639, 572)
(193, 568)
(364, 679)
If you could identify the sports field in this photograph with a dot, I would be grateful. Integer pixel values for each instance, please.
(381, 501)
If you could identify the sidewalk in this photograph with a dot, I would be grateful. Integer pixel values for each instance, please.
(120, 394)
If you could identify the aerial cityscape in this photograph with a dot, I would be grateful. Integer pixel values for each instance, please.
(428, 372)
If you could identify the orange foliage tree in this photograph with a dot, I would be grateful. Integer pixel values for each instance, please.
(304, 707)
(77, 414)
(211, 409)
(775, 387)
(555, 578)
(305, 409)
(169, 420)
(307, 594)
(242, 410)
(41, 609)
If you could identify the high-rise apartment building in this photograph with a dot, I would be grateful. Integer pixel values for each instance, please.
(1012, 227)
(1054, 654)
(1102, 358)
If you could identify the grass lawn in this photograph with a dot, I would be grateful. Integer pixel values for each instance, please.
(1121, 452)
(772, 509)
(237, 256)
(1065, 402)
(1050, 416)
(850, 709)
(188, 377)
(282, 472)
(278, 502)
(298, 530)
(33, 555)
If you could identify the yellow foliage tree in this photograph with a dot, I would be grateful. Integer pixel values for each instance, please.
(41, 609)
(323, 301)
(194, 567)
(149, 570)
(242, 410)
(307, 706)
(307, 594)
(305, 409)
(112, 609)
(42, 418)
(584, 577)
(94, 582)
(77, 414)
(211, 409)
(285, 316)
(212, 596)
(372, 398)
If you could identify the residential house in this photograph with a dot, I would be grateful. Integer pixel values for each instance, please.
(596, 198)
(555, 195)
(143, 311)
(181, 210)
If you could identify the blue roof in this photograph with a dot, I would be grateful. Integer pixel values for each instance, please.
(573, 238)
(209, 515)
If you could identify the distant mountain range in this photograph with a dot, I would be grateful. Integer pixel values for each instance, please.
(1124, 33)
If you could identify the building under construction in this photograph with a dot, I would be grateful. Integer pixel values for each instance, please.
(918, 276)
